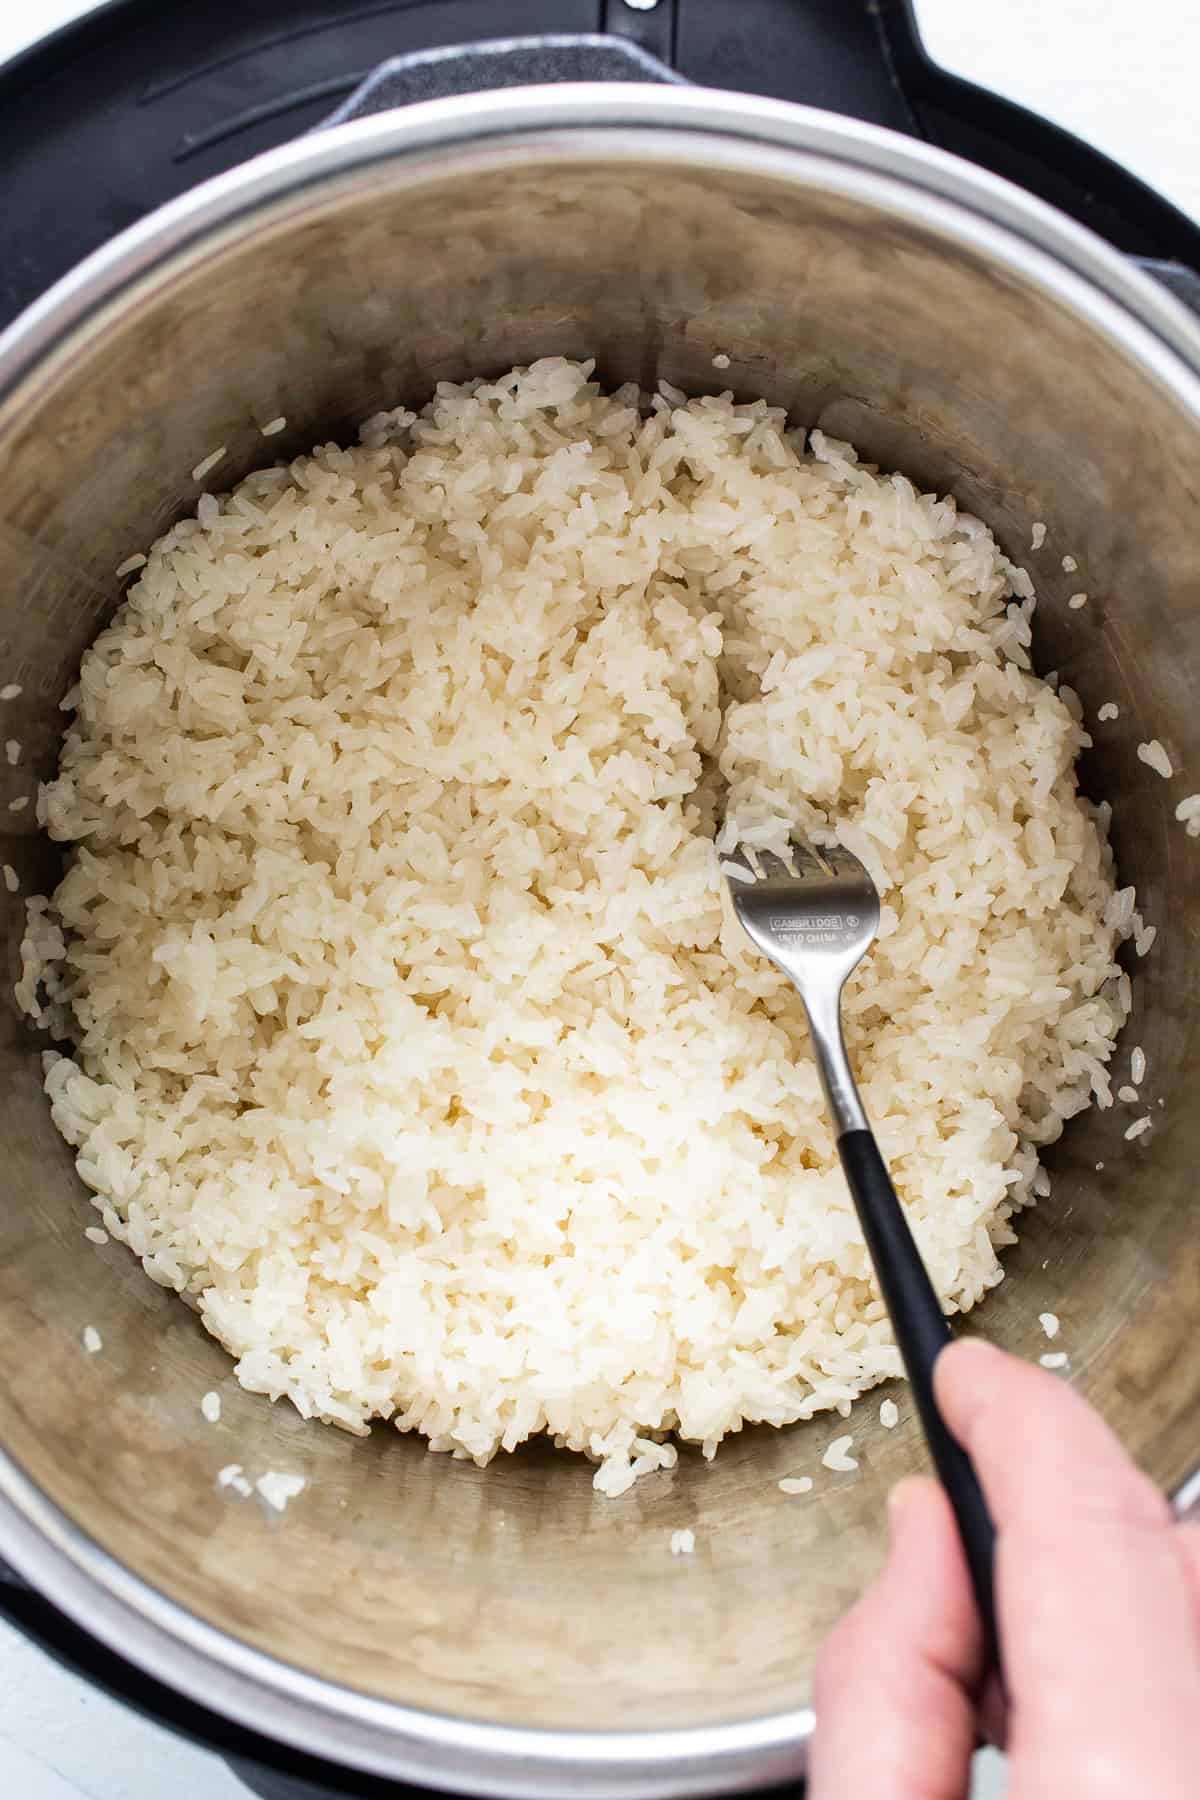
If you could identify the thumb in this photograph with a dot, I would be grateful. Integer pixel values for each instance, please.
(895, 1718)
(1097, 1609)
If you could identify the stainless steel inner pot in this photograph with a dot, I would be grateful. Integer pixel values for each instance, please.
(508, 1631)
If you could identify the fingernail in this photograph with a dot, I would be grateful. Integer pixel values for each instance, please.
(977, 1346)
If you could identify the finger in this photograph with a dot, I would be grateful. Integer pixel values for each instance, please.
(1098, 1631)
(893, 1684)
(1187, 1537)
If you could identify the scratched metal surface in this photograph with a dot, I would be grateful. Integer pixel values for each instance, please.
(80, 1745)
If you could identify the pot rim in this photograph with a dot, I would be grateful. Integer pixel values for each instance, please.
(592, 122)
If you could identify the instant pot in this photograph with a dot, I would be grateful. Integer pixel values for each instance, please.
(633, 182)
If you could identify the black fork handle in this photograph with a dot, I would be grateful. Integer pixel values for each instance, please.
(922, 1334)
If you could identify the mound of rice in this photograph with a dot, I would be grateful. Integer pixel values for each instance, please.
(411, 1034)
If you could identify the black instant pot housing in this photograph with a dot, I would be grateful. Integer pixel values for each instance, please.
(143, 99)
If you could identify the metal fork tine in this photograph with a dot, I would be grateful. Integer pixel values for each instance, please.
(803, 861)
(807, 860)
(843, 861)
(774, 867)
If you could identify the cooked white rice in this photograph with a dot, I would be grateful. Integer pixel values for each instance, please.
(208, 463)
(838, 1458)
(412, 1033)
(1156, 758)
(277, 1488)
(232, 1476)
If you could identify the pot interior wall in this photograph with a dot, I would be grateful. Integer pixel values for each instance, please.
(518, 1594)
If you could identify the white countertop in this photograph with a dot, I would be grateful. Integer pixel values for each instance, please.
(1127, 81)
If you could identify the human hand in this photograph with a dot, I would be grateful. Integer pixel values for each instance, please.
(1098, 1602)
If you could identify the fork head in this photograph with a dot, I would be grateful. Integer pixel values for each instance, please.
(815, 919)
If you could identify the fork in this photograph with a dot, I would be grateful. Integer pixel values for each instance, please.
(816, 921)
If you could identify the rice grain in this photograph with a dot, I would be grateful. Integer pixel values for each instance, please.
(207, 463)
(277, 1489)
(1156, 758)
(837, 1457)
